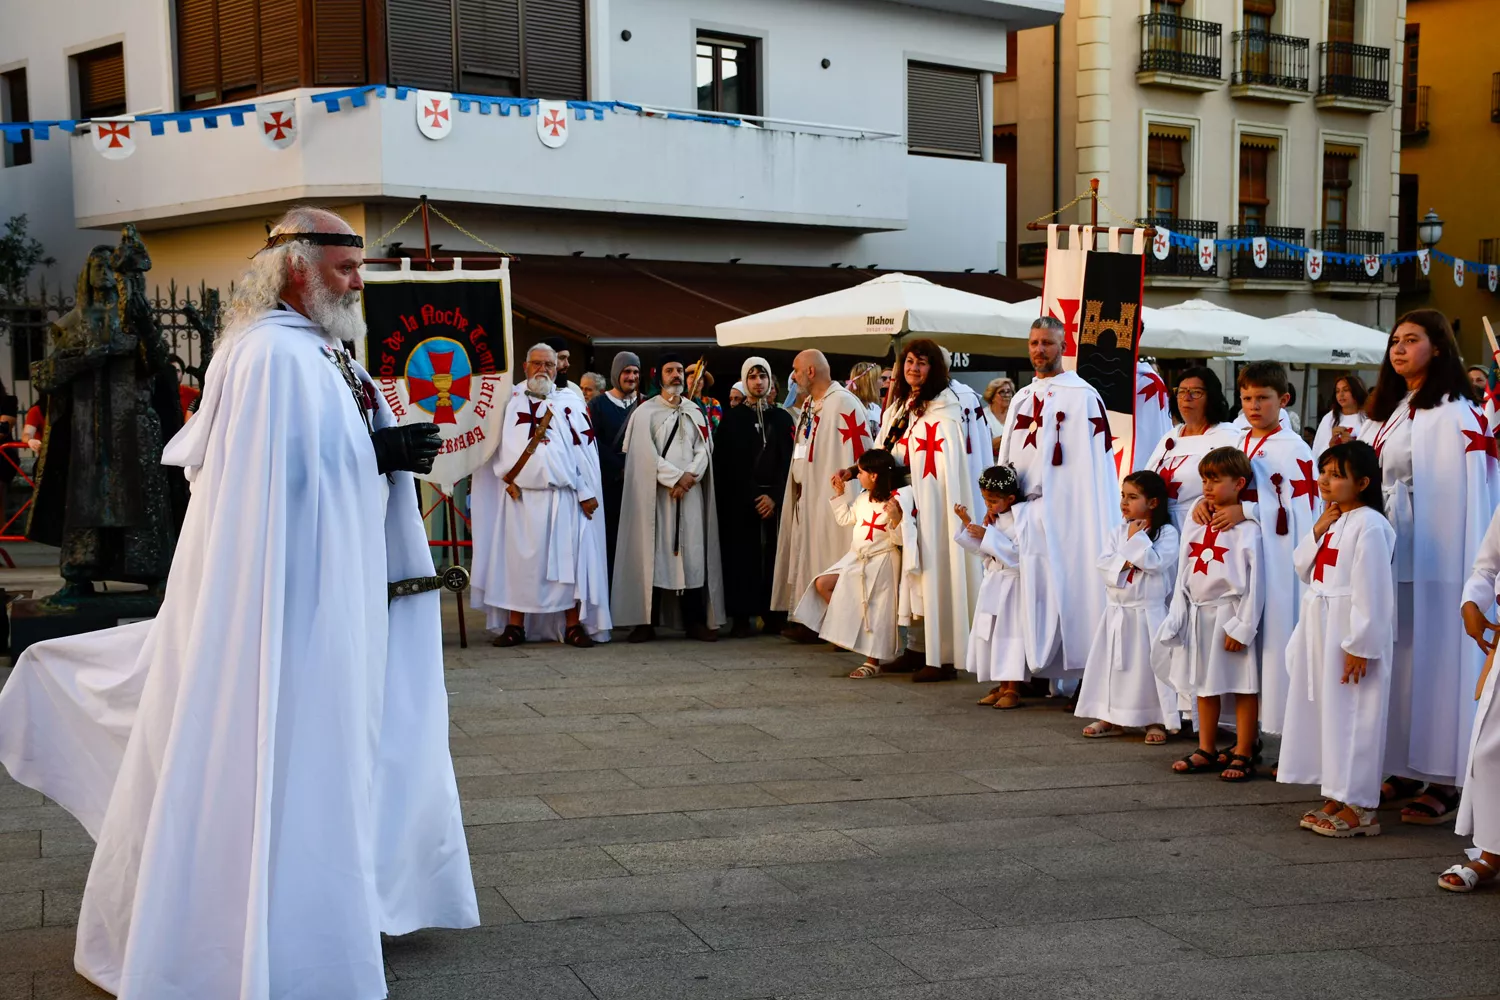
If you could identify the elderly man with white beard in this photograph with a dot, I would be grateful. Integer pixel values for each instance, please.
(265, 765)
(667, 563)
(540, 560)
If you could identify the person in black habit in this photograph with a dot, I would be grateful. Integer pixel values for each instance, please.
(752, 457)
(609, 410)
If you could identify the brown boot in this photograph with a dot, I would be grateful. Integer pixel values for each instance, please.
(930, 673)
(702, 633)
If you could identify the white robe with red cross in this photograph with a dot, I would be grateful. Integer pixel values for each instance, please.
(1220, 593)
(1479, 810)
(939, 581)
(861, 614)
(1153, 418)
(1057, 437)
(1176, 459)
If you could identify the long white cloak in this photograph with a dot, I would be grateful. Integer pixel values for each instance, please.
(1176, 459)
(1220, 591)
(1153, 419)
(861, 615)
(235, 758)
(1479, 810)
(1335, 732)
(644, 558)
(1119, 684)
(541, 554)
(939, 581)
(1452, 481)
(831, 434)
(978, 444)
(1057, 437)
(1286, 496)
(1005, 614)
(1324, 435)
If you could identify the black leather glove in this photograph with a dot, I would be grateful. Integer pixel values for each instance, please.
(408, 448)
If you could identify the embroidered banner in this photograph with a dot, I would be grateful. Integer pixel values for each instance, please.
(1109, 330)
(438, 346)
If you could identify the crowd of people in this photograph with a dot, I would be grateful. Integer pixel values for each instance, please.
(1235, 580)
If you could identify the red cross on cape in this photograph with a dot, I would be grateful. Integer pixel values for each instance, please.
(874, 524)
(929, 447)
(1101, 426)
(853, 432)
(1031, 422)
(1154, 388)
(1168, 473)
(1326, 556)
(1207, 550)
(1307, 486)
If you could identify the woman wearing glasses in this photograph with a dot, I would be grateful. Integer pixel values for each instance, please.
(997, 397)
(1203, 425)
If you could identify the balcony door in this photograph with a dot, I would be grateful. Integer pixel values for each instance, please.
(1341, 36)
(1259, 16)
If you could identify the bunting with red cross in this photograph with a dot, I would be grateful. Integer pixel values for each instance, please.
(438, 348)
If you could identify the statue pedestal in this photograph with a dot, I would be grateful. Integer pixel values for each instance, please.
(35, 620)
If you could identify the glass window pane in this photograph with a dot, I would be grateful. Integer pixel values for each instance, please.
(706, 82)
(730, 71)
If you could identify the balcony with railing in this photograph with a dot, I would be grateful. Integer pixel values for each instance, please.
(1414, 113)
(1354, 77)
(1270, 67)
(1354, 241)
(1180, 52)
(1280, 265)
(1181, 262)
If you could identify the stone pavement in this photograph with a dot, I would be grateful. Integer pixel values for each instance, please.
(682, 821)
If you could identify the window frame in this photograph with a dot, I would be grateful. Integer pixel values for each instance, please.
(952, 151)
(17, 154)
(1261, 205)
(747, 68)
(80, 63)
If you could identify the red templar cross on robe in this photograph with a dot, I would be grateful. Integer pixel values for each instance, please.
(1481, 440)
(1031, 422)
(1206, 551)
(1325, 557)
(1153, 388)
(1168, 473)
(1306, 486)
(854, 430)
(874, 524)
(1101, 426)
(930, 446)
(443, 385)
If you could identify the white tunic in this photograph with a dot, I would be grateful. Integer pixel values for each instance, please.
(1176, 459)
(680, 535)
(1219, 592)
(1006, 617)
(1119, 684)
(1284, 501)
(1322, 440)
(1335, 732)
(861, 615)
(1479, 811)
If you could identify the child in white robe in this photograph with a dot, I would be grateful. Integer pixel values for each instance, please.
(1005, 621)
(853, 602)
(1339, 656)
(1206, 645)
(1479, 808)
(1139, 566)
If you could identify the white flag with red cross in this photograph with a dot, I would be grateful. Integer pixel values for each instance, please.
(1161, 243)
(434, 113)
(1062, 284)
(1458, 271)
(1259, 250)
(277, 123)
(1424, 260)
(1372, 264)
(1494, 276)
(552, 123)
(114, 138)
(1206, 255)
(1314, 264)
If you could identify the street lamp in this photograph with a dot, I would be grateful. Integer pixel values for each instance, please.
(1430, 229)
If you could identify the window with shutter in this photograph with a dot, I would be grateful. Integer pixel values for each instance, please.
(339, 47)
(15, 106)
(942, 111)
(239, 55)
(553, 49)
(101, 82)
(280, 32)
(1164, 171)
(1338, 169)
(420, 43)
(197, 52)
(1255, 180)
(726, 67)
(489, 47)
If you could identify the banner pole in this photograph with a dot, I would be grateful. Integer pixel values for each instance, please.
(426, 233)
(454, 559)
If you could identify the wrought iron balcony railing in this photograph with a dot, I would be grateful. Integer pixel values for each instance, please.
(1174, 44)
(1350, 70)
(1181, 262)
(1281, 265)
(1264, 59)
(1355, 241)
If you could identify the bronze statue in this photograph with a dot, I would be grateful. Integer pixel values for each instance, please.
(102, 494)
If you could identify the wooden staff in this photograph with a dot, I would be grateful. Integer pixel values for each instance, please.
(1489, 331)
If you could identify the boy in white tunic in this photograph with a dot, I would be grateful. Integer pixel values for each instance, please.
(1479, 809)
(1340, 653)
(1208, 646)
(1139, 566)
(853, 602)
(1007, 618)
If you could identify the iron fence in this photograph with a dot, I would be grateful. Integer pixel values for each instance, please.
(1171, 43)
(1181, 262)
(1355, 241)
(1281, 265)
(1270, 60)
(1350, 70)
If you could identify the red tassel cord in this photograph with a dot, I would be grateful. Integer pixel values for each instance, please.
(568, 412)
(1281, 523)
(1057, 448)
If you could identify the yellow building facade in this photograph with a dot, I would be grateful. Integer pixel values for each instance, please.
(1450, 155)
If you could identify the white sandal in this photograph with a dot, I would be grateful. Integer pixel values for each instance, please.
(1467, 875)
(865, 670)
(1367, 825)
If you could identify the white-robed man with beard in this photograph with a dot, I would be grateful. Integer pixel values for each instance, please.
(264, 766)
(539, 497)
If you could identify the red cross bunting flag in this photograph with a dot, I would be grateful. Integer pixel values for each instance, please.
(1314, 264)
(1424, 259)
(434, 114)
(1372, 264)
(552, 123)
(1161, 243)
(1097, 296)
(1458, 270)
(1207, 255)
(277, 123)
(1259, 250)
(114, 138)
(438, 348)
(1494, 276)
